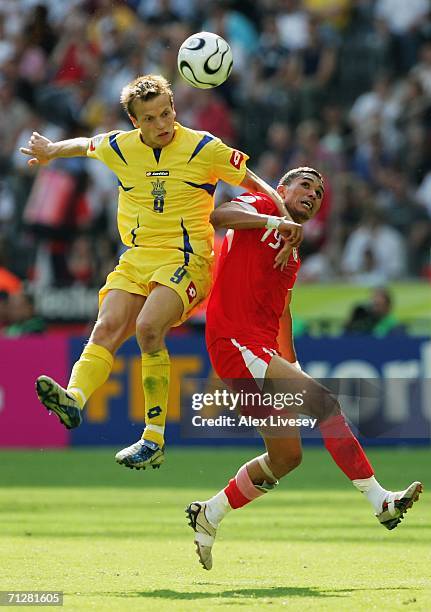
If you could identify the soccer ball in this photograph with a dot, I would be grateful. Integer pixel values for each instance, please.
(205, 60)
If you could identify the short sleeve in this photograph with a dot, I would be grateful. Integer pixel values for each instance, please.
(98, 146)
(229, 164)
(258, 203)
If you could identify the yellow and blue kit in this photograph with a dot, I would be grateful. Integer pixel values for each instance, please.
(165, 199)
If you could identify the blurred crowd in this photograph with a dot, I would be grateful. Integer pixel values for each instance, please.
(341, 85)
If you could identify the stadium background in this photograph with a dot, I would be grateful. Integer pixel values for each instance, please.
(342, 85)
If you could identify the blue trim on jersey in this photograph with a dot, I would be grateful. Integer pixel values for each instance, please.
(120, 184)
(204, 141)
(114, 145)
(133, 232)
(209, 187)
(187, 246)
(157, 153)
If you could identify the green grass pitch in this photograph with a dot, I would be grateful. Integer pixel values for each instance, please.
(116, 539)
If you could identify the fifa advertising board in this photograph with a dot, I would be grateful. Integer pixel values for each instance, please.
(382, 384)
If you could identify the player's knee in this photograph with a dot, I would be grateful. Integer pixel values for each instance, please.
(332, 407)
(108, 332)
(283, 464)
(328, 407)
(148, 335)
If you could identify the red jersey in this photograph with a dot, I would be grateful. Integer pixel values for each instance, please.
(249, 295)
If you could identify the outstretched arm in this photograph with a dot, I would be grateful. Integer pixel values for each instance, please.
(231, 215)
(41, 150)
(254, 184)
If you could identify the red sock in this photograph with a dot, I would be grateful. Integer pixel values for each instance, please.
(241, 490)
(345, 449)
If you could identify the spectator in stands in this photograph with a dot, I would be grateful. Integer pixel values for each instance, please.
(354, 200)
(279, 140)
(292, 22)
(271, 50)
(13, 117)
(371, 109)
(270, 168)
(335, 131)
(375, 317)
(407, 216)
(212, 114)
(284, 92)
(22, 316)
(370, 160)
(404, 18)
(374, 252)
(319, 58)
(311, 149)
(74, 59)
(38, 30)
(80, 262)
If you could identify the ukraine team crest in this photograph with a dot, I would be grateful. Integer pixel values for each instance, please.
(158, 192)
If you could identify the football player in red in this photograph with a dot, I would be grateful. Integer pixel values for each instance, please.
(256, 273)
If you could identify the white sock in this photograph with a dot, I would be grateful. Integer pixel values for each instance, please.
(217, 507)
(372, 490)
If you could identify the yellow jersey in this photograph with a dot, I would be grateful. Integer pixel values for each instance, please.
(167, 195)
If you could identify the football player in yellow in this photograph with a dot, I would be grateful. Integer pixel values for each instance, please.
(167, 175)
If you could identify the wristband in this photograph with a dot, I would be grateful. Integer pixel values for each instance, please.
(273, 222)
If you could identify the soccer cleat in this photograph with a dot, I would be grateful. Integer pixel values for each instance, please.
(205, 533)
(397, 504)
(58, 400)
(141, 455)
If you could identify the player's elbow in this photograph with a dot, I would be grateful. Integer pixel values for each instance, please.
(217, 218)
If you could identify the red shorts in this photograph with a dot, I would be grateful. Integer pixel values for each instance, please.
(233, 359)
(242, 368)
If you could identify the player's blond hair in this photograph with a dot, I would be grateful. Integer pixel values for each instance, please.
(144, 88)
(295, 172)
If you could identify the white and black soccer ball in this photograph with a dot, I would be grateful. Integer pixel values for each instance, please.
(205, 60)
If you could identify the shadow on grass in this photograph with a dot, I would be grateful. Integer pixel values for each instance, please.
(251, 593)
(233, 594)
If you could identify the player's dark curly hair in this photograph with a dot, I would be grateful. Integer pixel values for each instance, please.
(290, 175)
(145, 88)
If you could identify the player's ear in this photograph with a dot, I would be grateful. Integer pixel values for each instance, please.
(174, 111)
(281, 189)
(134, 121)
